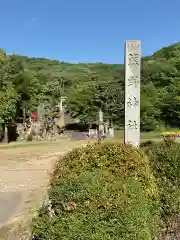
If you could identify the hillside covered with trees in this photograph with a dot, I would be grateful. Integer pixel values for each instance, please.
(26, 82)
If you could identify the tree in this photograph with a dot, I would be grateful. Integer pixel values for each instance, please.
(150, 113)
(94, 86)
(85, 101)
(8, 103)
(170, 104)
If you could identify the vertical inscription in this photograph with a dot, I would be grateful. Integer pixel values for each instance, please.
(132, 102)
(133, 80)
(133, 59)
(132, 92)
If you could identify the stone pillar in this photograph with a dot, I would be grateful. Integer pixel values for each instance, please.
(132, 92)
(106, 129)
(61, 105)
(40, 112)
(101, 124)
(5, 134)
(61, 109)
(111, 130)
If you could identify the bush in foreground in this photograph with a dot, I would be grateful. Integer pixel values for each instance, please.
(100, 192)
(165, 162)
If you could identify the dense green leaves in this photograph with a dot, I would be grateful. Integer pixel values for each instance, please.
(165, 163)
(86, 101)
(8, 101)
(100, 192)
(91, 87)
(160, 89)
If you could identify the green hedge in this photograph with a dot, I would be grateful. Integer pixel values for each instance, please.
(165, 161)
(100, 192)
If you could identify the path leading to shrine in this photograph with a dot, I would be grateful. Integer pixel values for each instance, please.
(24, 175)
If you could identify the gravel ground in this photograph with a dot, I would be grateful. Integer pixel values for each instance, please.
(24, 175)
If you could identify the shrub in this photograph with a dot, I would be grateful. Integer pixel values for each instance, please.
(100, 192)
(146, 143)
(165, 162)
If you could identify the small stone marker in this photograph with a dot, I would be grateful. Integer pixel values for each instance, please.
(106, 128)
(40, 112)
(101, 122)
(100, 116)
(61, 110)
(132, 92)
(61, 105)
(5, 134)
(111, 132)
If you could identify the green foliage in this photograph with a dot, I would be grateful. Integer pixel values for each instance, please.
(79, 103)
(8, 101)
(165, 161)
(90, 87)
(86, 100)
(160, 77)
(149, 107)
(99, 192)
(169, 52)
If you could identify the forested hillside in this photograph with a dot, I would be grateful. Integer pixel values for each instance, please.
(26, 82)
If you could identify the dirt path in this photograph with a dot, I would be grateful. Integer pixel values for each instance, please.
(24, 175)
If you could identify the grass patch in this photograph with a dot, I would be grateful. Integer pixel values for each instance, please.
(144, 135)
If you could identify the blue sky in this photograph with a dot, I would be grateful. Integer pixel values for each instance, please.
(87, 31)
